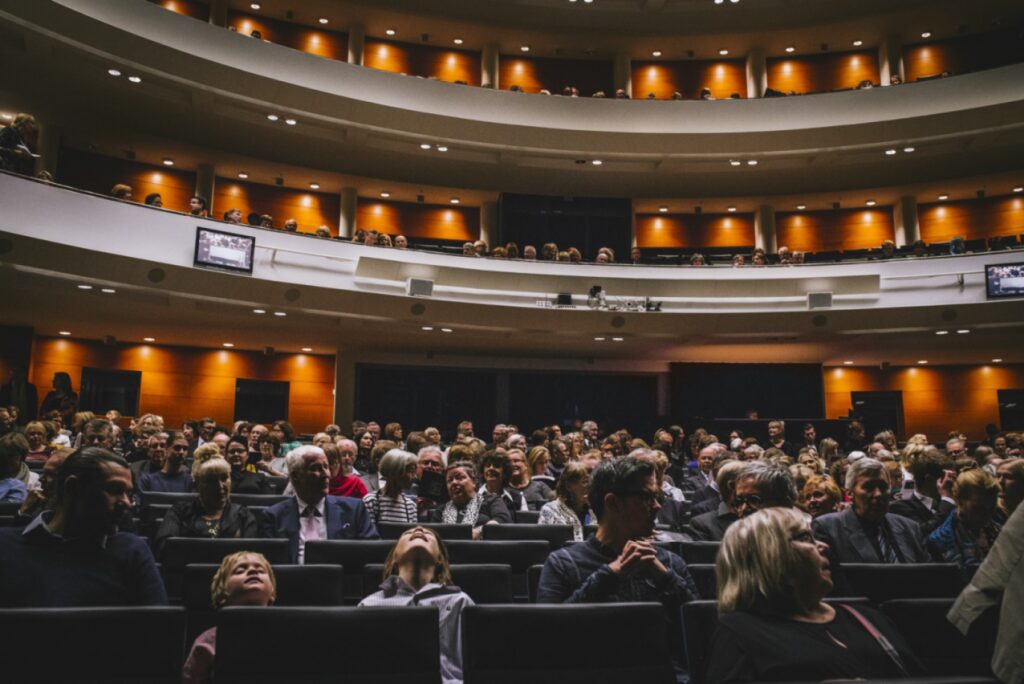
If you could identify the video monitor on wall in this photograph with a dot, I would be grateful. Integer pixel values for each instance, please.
(220, 250)
(1004, 280)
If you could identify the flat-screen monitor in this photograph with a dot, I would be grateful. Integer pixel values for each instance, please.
(229, 251)
(1004, 280)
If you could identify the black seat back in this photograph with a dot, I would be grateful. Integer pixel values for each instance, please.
(278, 483)
(485, 584)
(882, 582)
(704, 577)
(179, 552)
(167, 498)
(75, 644)
(391, 530)
(353, 555)
(526, 517)
(697, 552)
(257, 500)
(937, 643)
(297, 585)
(533, 581)
(615, 636)
(10, 507)
(555, 535)
(520, 555)
(376, 640)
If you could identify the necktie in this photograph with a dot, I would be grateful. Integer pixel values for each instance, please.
(310, 530)
(888, 552)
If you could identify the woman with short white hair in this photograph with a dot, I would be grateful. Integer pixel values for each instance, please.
(389, 504)
(774, 625)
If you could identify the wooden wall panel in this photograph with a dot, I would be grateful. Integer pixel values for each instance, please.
(962, 54)
(423, 60)
(822, 73)
(310, 209)
(190, 8)
(723, 77)
(936, 399)
(971, 219)
(182, 383)
(329, 44)
(827, 231)
(98, 173)
(533, 74)
(435, 221)
(691, 230)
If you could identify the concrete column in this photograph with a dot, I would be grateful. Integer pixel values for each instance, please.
(764, 228)
(47, 147)
(205, 182)
(219, 13)
(356, 42)
(757, 73)
(489, 223)
(622, 73)
(890, 59)
(904, 218)
(347, 219)
(344, 388)
(632, 225)
(489, 66)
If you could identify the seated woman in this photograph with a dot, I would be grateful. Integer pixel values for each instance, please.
(416, 573)
(774, 625)
(535, 493)
(269, 462)
(571, 507)
(497, 473)
(243, 579)
(388, 504)
(821, 495)
(1011, 484)
(343, 481)
(244, 478)
(211, 514)
(467, 506)
(970, 531)
(38, 450)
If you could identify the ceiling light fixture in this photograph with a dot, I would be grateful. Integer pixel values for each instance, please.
(599, 339)
(618, 339)
(135, 79)
(108, 290)
(858, 43)
(425, 146)
(941, 332)
(656, 53)
(457, 41)
(446, 330)
(801, 207)
(731, 210)
(442, 148)
(385, 194)
(871, 203)
(427, 328)
(943, 197)
(229, 345)
(663, 209)
(113, 72)
(149, 339)
(719, 2)
(390, 32)
(291, 122)
(908, 150)
(751, 162)
(243, 175)
(997, 360)
(963, 331)
(280, 314)
(596, 162)
(790, 49)
(85, 287)
(524, 48)
(168, 161)
(1019, 188)
(923, 362)
(307, 349)
(314, 186)
(322, 20)
(259, 311)
(255, 6)
(723, 52)
(735, 162)
(65, 333)
(847, 363)
(926, 34)
(273, 117)
(454, 200)
(890, 152)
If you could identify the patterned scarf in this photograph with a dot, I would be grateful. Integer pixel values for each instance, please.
(450, 514)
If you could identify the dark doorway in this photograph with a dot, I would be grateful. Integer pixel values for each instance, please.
(1011, 409)
(586, 223)
(878, 411)
(105, 390)
(261, 401)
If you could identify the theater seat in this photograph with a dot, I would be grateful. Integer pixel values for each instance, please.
(555, 535)
(881, 582)
(390, 530)
(533, 581)
(258, 500)
(179, 552)
(10, 507)
(520, 555)
(297, 585)
(940, 645)
(166, 498)
(351, 645)
(696, 552)
(526, 517)
(351, 554)
(14, 521)
(566, 644)
(704, 577)
(143, 644)
(485, 584)
(279, 484)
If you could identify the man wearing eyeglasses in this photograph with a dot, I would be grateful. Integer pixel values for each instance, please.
(619, 563)
(763, 485)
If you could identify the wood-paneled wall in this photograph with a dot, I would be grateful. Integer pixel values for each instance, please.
(827, 231)
(310, 209)
(427, 61)
(822, 73)
(962, 54)
(936, 399)
(190, 8)
(98, 173)
(323, 43)
(723, 77)
(434, 221)
(693, 230)
(182, 383)
(971, 219)
(534, 74)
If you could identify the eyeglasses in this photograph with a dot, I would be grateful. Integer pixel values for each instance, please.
(754, 501)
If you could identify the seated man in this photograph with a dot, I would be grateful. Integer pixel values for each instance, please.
(13, 449)
(72, 555)
(618, 564)
(708, 499)
(711, 526)
(930, 502)
(39, 499)
(763, 485)
(697, 486)
(156, 454)
(172, 476)
(867, 532)
(312, 514)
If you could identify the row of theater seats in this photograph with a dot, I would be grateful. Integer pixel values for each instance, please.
(567, 644)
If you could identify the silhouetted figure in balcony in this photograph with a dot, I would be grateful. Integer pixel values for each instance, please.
(121, 192)
(154, 199)
(197, 206)
(16, 143)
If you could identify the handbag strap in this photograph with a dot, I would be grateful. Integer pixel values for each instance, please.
(886, 645)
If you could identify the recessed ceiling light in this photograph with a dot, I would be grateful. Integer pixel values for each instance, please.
(108, 290)
(314, 186)
(390, 32)
(228, 344)
(427, 328)
(113, 72)
(307, 349)
(65, 332)
(291, 122)
(871, 203)
(442, 148)
(926, 34)
(135, 79)
(801, 207)
(243, 175)
(85, 287)
(1019, 188)
(322, 20)
(453, 200)
(751, 162)
(723, 52)
(719, 2)
(735, 162)
(168, 161)
(941, 332)
(962, 331)
(734, 1)
(847, 363)
(997, 360)
(663, 210)
(255, 6)
(457, 41)
(280, 314)
(908, 150)
(858, 43)
(596, 162)
(425, 146)
(385, 194)
(790, 48)
(617, 339)
(259, 311)
(446, 330)
(890, 152)
(149, 339)
(524, 48)
(599, 339)
(273, 117)
(656, 53)
(943, 197)
(922, 362)
(731, 209)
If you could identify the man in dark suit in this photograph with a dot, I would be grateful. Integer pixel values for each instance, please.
(697, 486)
(930, 502)
(866, 532)
(311, 514)
(711, 526)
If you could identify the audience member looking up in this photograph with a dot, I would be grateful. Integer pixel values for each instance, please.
(774, 625)
(416, 573)
(243, 579)
(72, 554)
